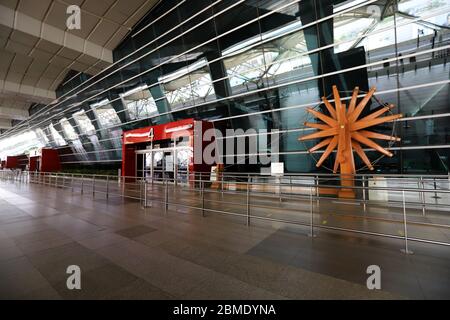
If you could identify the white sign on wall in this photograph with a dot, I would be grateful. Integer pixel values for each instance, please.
(376, 194)
(169, 163)
(277, 168)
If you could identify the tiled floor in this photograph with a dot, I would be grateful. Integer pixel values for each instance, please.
(125, 252)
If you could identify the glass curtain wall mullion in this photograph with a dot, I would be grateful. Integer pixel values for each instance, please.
(302, 55)
(196, 47)
(306, 80)
(292, 130)
(322, 151)
(309, 52)
(283, 63)
(124, 58)
(117, 62)
(90, 161)
(324, 18)
(380, 92)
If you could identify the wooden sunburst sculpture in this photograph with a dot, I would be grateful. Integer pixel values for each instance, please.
(345, 131)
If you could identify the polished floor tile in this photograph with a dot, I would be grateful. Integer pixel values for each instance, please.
(126, 252)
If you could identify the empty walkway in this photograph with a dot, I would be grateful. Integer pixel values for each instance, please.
(125, 252)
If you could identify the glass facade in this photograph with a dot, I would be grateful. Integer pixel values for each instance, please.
(259, 64)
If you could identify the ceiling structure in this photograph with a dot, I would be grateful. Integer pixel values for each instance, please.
(37, 50)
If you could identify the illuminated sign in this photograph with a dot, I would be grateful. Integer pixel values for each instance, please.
(179, 128)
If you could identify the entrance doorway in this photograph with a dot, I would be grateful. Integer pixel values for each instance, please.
(160, 164)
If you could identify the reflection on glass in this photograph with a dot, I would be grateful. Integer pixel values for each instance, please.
(75, 143)
(414, 19)
(69, 131)
(84, 123)
(58, 140)
(182, 164)
(105, 114)
(280, 60)
(189, 85)
(20, 144)
(42, 138)
(139, 103)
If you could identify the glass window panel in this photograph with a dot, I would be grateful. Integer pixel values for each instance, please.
(69, 131)
(84, 123)
(19, 144)
(189, 85)
(139, 103)
(41, 136)
(105, 113)
(57, 137)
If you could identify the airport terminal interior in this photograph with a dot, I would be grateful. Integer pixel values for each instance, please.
(224, 149)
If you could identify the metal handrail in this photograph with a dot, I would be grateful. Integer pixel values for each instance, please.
(278, 181)
(138, 189)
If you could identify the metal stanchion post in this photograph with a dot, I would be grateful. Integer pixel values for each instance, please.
(166, 196)
(141, 201)
(93, 186)
(290, 183)
(145, 193)
(71, 182)
(107, 187)
(248, 204)
(311, 232)
(82, 183)
(435, 190)
(406, 250)
(202, 184)
(122, 187)
(280, 185)
(364, 192)
(423, 195)
(317, 190)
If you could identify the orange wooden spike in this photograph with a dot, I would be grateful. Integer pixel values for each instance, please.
(320, 145)
(316, 125)
(370, 143)
(379, 136)
(338, 158)
(359, 150)
(329, 107)
(336, 164)
(330, 121)
(352, 105)
(337, 103)
(362, 124)
(378, 113)
(319, 134)
(328, 150)
(356, 113)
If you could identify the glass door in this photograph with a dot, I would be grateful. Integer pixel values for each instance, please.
(183, 159)
(171, 164)
(157, 167)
